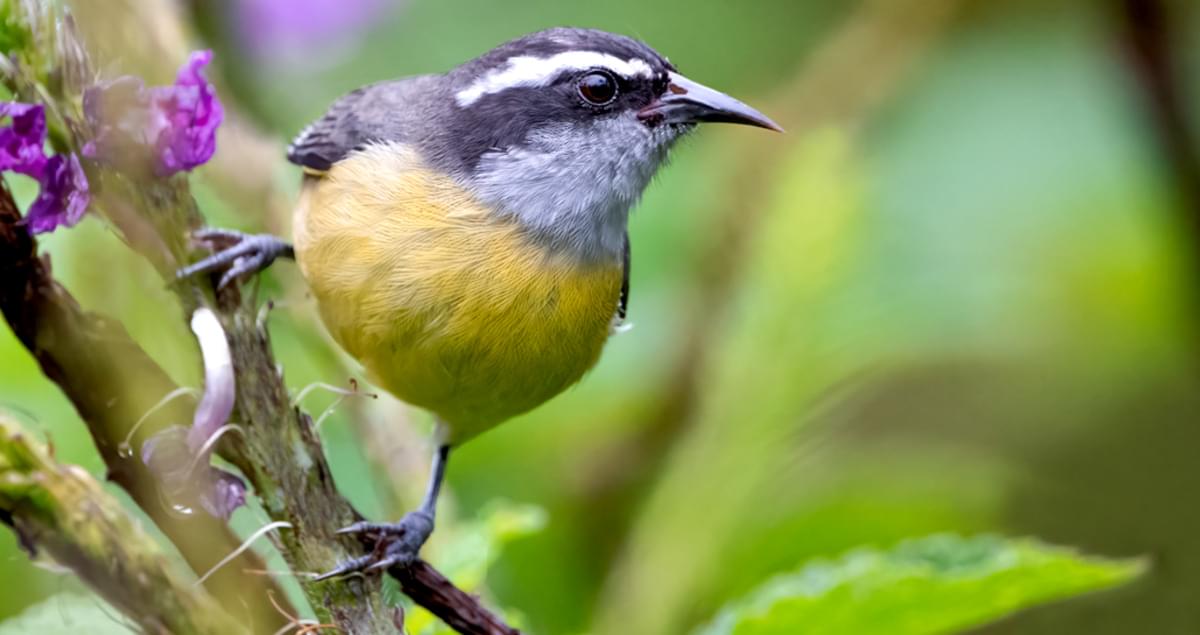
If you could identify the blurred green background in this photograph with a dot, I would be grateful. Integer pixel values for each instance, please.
(957, 296)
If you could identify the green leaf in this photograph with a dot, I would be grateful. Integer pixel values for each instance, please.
(471, 548)
(939, 584)
(67, 613)
(785, 337)
(15, 36)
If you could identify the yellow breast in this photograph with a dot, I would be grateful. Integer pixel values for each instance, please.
(447, 306)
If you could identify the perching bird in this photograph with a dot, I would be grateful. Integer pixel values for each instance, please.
(464, 234)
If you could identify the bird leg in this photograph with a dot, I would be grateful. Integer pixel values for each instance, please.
(238, 254)
(397, 544)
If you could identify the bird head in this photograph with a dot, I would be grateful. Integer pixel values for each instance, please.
(563, 129)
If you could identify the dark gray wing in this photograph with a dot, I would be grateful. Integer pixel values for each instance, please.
(623, 303)
(388, 111)
(330, 138)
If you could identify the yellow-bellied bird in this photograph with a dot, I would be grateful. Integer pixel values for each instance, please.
(464, 234)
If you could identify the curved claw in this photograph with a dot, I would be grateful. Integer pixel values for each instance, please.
(398, 544)
(230, 257)
(239, 254)
(364, 527)
(352, 565)
(399, 552)
(245, 265)
(390, 561)
(217, 237)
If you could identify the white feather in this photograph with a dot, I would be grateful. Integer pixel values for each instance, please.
(528, 71)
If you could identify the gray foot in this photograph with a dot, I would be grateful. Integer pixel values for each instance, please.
(238, 254)
(396, 544)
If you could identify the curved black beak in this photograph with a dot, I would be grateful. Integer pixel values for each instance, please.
(689, 102)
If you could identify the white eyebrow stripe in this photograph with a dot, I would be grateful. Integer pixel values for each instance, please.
(524, 70)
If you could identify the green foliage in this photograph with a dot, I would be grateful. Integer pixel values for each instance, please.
(469, 549)
(940, 584)
(761, 381)
(64, 614)
(975, 278)
(15, 37)
(473, 547)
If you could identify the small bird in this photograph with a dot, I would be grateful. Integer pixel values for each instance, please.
(465, 234)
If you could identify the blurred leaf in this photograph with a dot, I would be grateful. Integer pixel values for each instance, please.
(66, 613)
(938, 584)
(472, 548)
(784, 339)
(15, 37)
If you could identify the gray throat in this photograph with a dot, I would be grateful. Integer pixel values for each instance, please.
(573, 187)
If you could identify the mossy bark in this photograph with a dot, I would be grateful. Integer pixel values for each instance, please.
(60, 510)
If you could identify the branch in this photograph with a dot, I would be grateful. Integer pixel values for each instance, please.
(112, 384)
(1150, 43)
(279, 453)
(458, 609)
(282, 458)
(62, 510)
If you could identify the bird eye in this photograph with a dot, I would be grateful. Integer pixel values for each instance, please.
(598, 88)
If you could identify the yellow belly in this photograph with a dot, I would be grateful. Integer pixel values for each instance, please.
(445, 305)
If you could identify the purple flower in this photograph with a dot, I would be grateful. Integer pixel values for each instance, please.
(168, 457)
(21, 144)
(169, 129)
(64, 195)
(180, 457)
(224, 493)
(192, 115)
(220, 384)
(188, 481)
(118, 112)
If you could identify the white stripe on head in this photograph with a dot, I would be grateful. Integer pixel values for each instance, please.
(526, 71)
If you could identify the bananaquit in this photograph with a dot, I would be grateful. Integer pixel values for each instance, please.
(464, 234)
